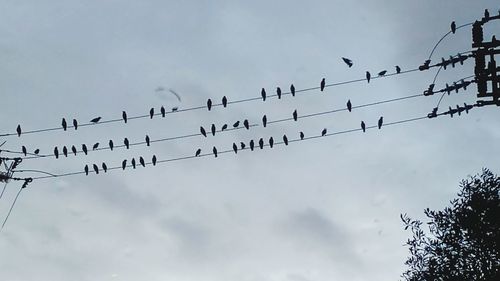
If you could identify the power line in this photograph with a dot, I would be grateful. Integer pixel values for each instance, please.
(445, 35)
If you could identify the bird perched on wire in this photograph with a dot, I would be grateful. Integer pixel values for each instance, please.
(133, 163)
(141, 160)
(246, 124)
(242, 145)
(453, 27)
(363, 126)
(322, 84)
(86, 169)
(198, 152)
(323, 133)
(292, 90)
(124, 116)
(264, 120)
(235, 148)
(209, 104)
(348, 62)
(382, 73)
(214, 150)
(398, 69)
(271, 142)
(95, 120)
(278, 92)
(36, 151)
(349, 105)
(95, 146)
(252, 145)
(73, 149)
(285, 140)
(224, 101)
(154, 160)
(84, 149)
(236, 124)
(148, 141)
(368, 76)
(24, 150)
(261, 143)
(301, 135)
(124, 164)
(151, 112)
(96, 169)
(65, 151)
(111, 145)
(263, 94)
(104, 167)
(203, 132)
(162, 111)
(294, 115)
(18, 130)
(126, 143)
(64, 124)
(380, 122)
(213, 129)
(56, 152)
(75, 124)
(224, 127)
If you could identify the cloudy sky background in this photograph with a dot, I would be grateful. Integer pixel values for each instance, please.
(324, 209)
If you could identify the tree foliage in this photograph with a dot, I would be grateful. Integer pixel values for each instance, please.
(462, 242)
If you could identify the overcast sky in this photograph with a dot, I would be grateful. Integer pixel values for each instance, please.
(323, 209)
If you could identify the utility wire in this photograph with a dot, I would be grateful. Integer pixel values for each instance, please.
(445, 35)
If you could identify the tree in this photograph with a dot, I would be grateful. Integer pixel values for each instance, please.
(462, 242)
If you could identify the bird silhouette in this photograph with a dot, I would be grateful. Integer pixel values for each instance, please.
(295, 116)
(285, 140)
(246, 124)
(214, 150)
(175, 108)
(322, 84)
(126, 142)
(236, 124)
(64, 124)
(124, 164)
(124, 116)
(56, 152)
(148, 141)
(235, 148)
(209, 104)
(252, 145)
(382, 73)
(323, 133)
(363, 126)
(278, 92)
(162, 111)
(224, 101)
(111, 145)
(151, 113)
(18, 130)
(368, 76)
(243, 145)
(271, 142)
(349, 105)
(198, 152)
(203, 132)
(133, 163)
(84, 149)
(36, 151)
(223, 127)
(154, 160)
(95, 146)
(96, 120)
(292, 90)
(104, 167)
(96, 169)
(141, 160)
(25, 151)
(486, 14)
(261, 143)
(73, 149)
(398, 69)
(65, 151)
(75, 124)
(348, 62)
(263, 94)
(301, 135)
(264, 121)
(380, 122)
(212, 129)
(86, 169)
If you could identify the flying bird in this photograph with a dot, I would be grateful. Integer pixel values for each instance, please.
(295, 116)
(126, 142)
(154, 160)
(252, 145)
(453, 27)
(322, 84)
(348, 62)
(151, 112)
(235, 148)
(261, 143)
(271, 142)
(285, 140)
(243, 145)
(141, 160)
(246, 124)
(124, 164)
(382, 73)
(224, 101)
(56, 152)
(96, 169)
(264, 120)
(368, 76)
(162, 110)
(133, 163)
(203, 132)
(104, 167)
(73, 149)
(263, 94)
(198, 152)
(214, 150)
(95, 146)
(18, 130)
(236, 124)
(64, 124)
(223, 127)
(212, 129)
(84, 149)
(124, 116)
(301, 135)
(349, 105)
(209, 104)
(398, 69)
(363, 126)
(95, 120)
(86, 169)
(278, 92)
(148, 141)
(36, 151)
(323, 133)
(65, 151)
(111, 145)
(25, 151)
(292, 90)
(380, 122)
